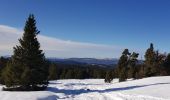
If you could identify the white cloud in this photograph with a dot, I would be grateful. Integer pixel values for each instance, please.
(54, 47)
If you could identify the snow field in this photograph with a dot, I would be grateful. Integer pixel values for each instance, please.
(154, 88)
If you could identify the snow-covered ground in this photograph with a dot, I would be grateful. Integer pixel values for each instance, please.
(154, 88)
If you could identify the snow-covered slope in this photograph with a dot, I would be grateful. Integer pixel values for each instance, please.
(154, 88)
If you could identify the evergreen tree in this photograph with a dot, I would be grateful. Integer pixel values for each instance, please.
(122, 65)
(27, 68)
(150, 58)
(139, 71)
(159, 63)
(167, 65)
(3, 64)
(52, 72)
(132, 65)
(108, 77)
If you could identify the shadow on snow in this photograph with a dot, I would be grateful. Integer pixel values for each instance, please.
(73, 93)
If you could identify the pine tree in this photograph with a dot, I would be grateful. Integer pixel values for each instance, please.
(122, 65)
(132, 65)
(158, 64)
(27, 68)
(167, 65)
(52, 72)
(150, 58)
(108, 77)
(3, 64)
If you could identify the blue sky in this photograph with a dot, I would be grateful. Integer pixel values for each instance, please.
(119, 23)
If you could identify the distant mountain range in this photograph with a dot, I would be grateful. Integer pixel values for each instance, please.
(88, 61)
(92, 61)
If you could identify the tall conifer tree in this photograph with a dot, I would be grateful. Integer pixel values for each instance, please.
(150, 58)
(108, 77)
(132, 65)
(122, 65)
(27, 68)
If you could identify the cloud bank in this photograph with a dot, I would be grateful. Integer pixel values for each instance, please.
(54, 47)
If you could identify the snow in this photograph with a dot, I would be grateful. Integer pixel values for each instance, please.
(154, 88)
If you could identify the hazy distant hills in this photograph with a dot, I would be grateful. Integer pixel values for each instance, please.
(91, 61)
(85, 61)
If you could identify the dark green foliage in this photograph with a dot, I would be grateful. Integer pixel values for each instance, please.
(154, 62)
(126, 52)
(74, 71)
(166, 68)
(27, 69)
(63, 74)
(69, 74)
(108, 77)
(150, 55)
(98, 74)
(8, 75)
(159, 63)
(3, 64)
(122, 75)
(52, 72)
(150, 58)
(80, 74)
(132, 65)
(127, 66)
(139, 71)
(122, 65)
